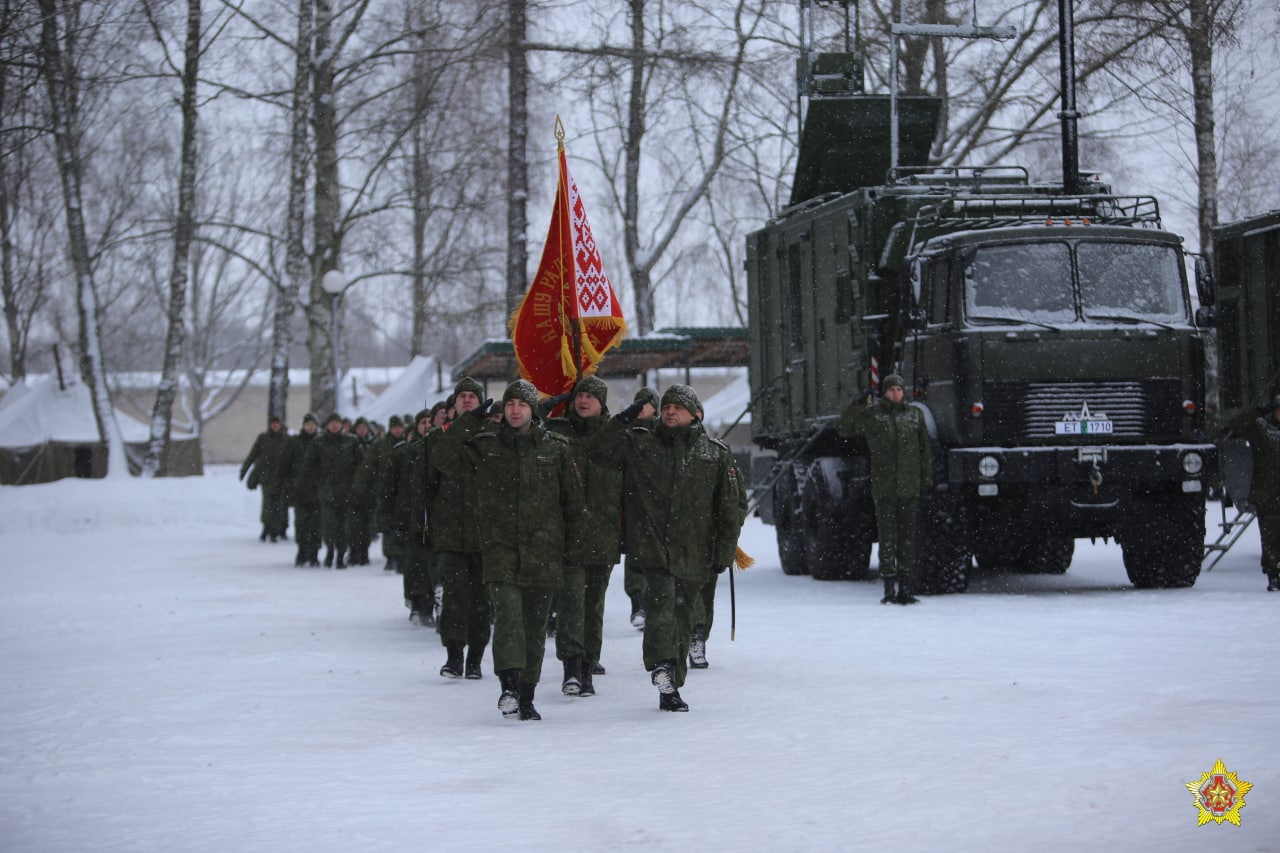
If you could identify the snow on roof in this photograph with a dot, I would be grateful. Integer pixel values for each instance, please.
(415, 389)
(43, 412)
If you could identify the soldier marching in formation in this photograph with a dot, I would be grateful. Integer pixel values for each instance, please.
(492, 512)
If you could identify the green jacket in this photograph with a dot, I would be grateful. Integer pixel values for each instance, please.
(371, 480)
(453, 497)
(681, 500)
(1263, 434)
(269, 459)
(529, 499)
(303, 484)
(410, 496)
(896, 436)
(334, 457)
(602, 532)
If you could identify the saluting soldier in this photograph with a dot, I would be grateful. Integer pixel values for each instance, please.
(530, 497)
(901, 468)
(682, 519)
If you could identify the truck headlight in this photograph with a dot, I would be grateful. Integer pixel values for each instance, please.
(1192, 463)
(989, 466)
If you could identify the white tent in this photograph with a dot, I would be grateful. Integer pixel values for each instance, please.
(415, 389)
(48, 432)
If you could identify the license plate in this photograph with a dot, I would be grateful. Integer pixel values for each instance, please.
(1083, 428)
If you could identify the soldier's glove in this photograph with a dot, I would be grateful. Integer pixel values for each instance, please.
(482, 411)
(550, 404)
(630, 413)
(721, 569)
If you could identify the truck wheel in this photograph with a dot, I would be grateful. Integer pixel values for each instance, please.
(942, 553)
(1165, 548)
(837, 548)
(787, 525)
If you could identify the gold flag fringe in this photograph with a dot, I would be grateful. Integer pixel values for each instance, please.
(742, 559)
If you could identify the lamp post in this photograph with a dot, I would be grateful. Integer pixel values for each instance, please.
(334, 283)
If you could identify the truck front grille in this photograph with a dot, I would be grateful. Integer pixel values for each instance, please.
(1028, 411)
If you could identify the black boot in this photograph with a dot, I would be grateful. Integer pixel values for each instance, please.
(588, 688)
(1273, 583)
(595, 667)
(262, 537)
(663, 676)
(341, 564)
(328, 557)
(572, 683)
(890, 593)
(427, 605)
(509, 701)
(904, 592)
(314, 559)
(453, 663)
(698, 649)
(475, 656)
(527, 711)
(301, 559)
(672, 702)
(637, 612)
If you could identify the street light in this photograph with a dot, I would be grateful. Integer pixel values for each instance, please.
(334, 283)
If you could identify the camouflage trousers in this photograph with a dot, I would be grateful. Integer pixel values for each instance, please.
(580, 612)
(1269, 531)
(896, 523)
(519, 628)
(464, 613)
(668, 625)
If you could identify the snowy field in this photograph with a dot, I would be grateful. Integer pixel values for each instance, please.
(170, 684)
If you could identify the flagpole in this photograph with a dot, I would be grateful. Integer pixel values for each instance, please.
(575, 328)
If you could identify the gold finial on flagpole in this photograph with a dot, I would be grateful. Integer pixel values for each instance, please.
(559, 131)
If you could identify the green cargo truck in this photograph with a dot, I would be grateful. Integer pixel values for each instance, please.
(1046, 330)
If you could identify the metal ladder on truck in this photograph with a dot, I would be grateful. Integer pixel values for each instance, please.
(1231, 531)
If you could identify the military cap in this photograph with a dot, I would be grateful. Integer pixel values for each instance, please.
(309, 417)
(646, 395)
(891, 381)
(521, 389)
(395, 421)
(333, 416)
(595, 386)
(466, 383)
(682, 395)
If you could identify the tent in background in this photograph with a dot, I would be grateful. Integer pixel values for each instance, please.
(47, 433)
(412, 391)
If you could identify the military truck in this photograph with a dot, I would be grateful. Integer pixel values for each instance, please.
(1243, 293)
(1046, 330)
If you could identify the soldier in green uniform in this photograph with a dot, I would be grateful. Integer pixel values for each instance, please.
(376, 470)
(304, 494)
(334, 457)
(681, 515)
(704, 609)
(633, 578)
(580, 602)
(455, 538)
(269, 461)
(363, 499)
(531, 499)
(1263, 434)
(409, 501)
(901, 468)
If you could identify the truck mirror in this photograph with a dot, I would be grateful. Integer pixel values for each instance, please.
(1204, 282)
(1205, 316)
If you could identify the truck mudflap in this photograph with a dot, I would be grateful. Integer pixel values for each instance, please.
(1195, 465)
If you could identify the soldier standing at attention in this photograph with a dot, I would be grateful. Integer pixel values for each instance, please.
(901, 468)
(682, 519)
(1263, 434)
(335, 455)
(530, 498)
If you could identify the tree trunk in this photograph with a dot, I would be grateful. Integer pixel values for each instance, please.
(639, 270)
(156, 460)
(64, 121)
(421, 197)
(517, 149)
(324, 390)
(1200, 36)
(296, 268)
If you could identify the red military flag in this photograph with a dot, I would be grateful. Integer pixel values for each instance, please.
(570, 316)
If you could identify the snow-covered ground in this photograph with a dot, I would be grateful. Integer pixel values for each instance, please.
(170, 683)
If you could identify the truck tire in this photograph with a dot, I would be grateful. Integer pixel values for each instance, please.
(943, 557)
(1164, 548)
(788, 525)
(837, 546)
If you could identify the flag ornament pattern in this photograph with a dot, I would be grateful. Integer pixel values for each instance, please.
(570, 316)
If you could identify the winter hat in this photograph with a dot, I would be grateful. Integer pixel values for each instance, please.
(333, 416)
(361, 421)
(521, 390)
(309, 417)
(274, 419)
(682, 395)
(891, 381)
(646, 395)
(595, 386)
(425, 413)
(442, 405)
(466, 383)
(395, 422)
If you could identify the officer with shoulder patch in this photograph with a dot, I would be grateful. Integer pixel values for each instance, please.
(901, 468)
(530, 496)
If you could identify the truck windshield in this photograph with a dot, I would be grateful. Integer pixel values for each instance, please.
(1135, 280)
(1020, 282)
